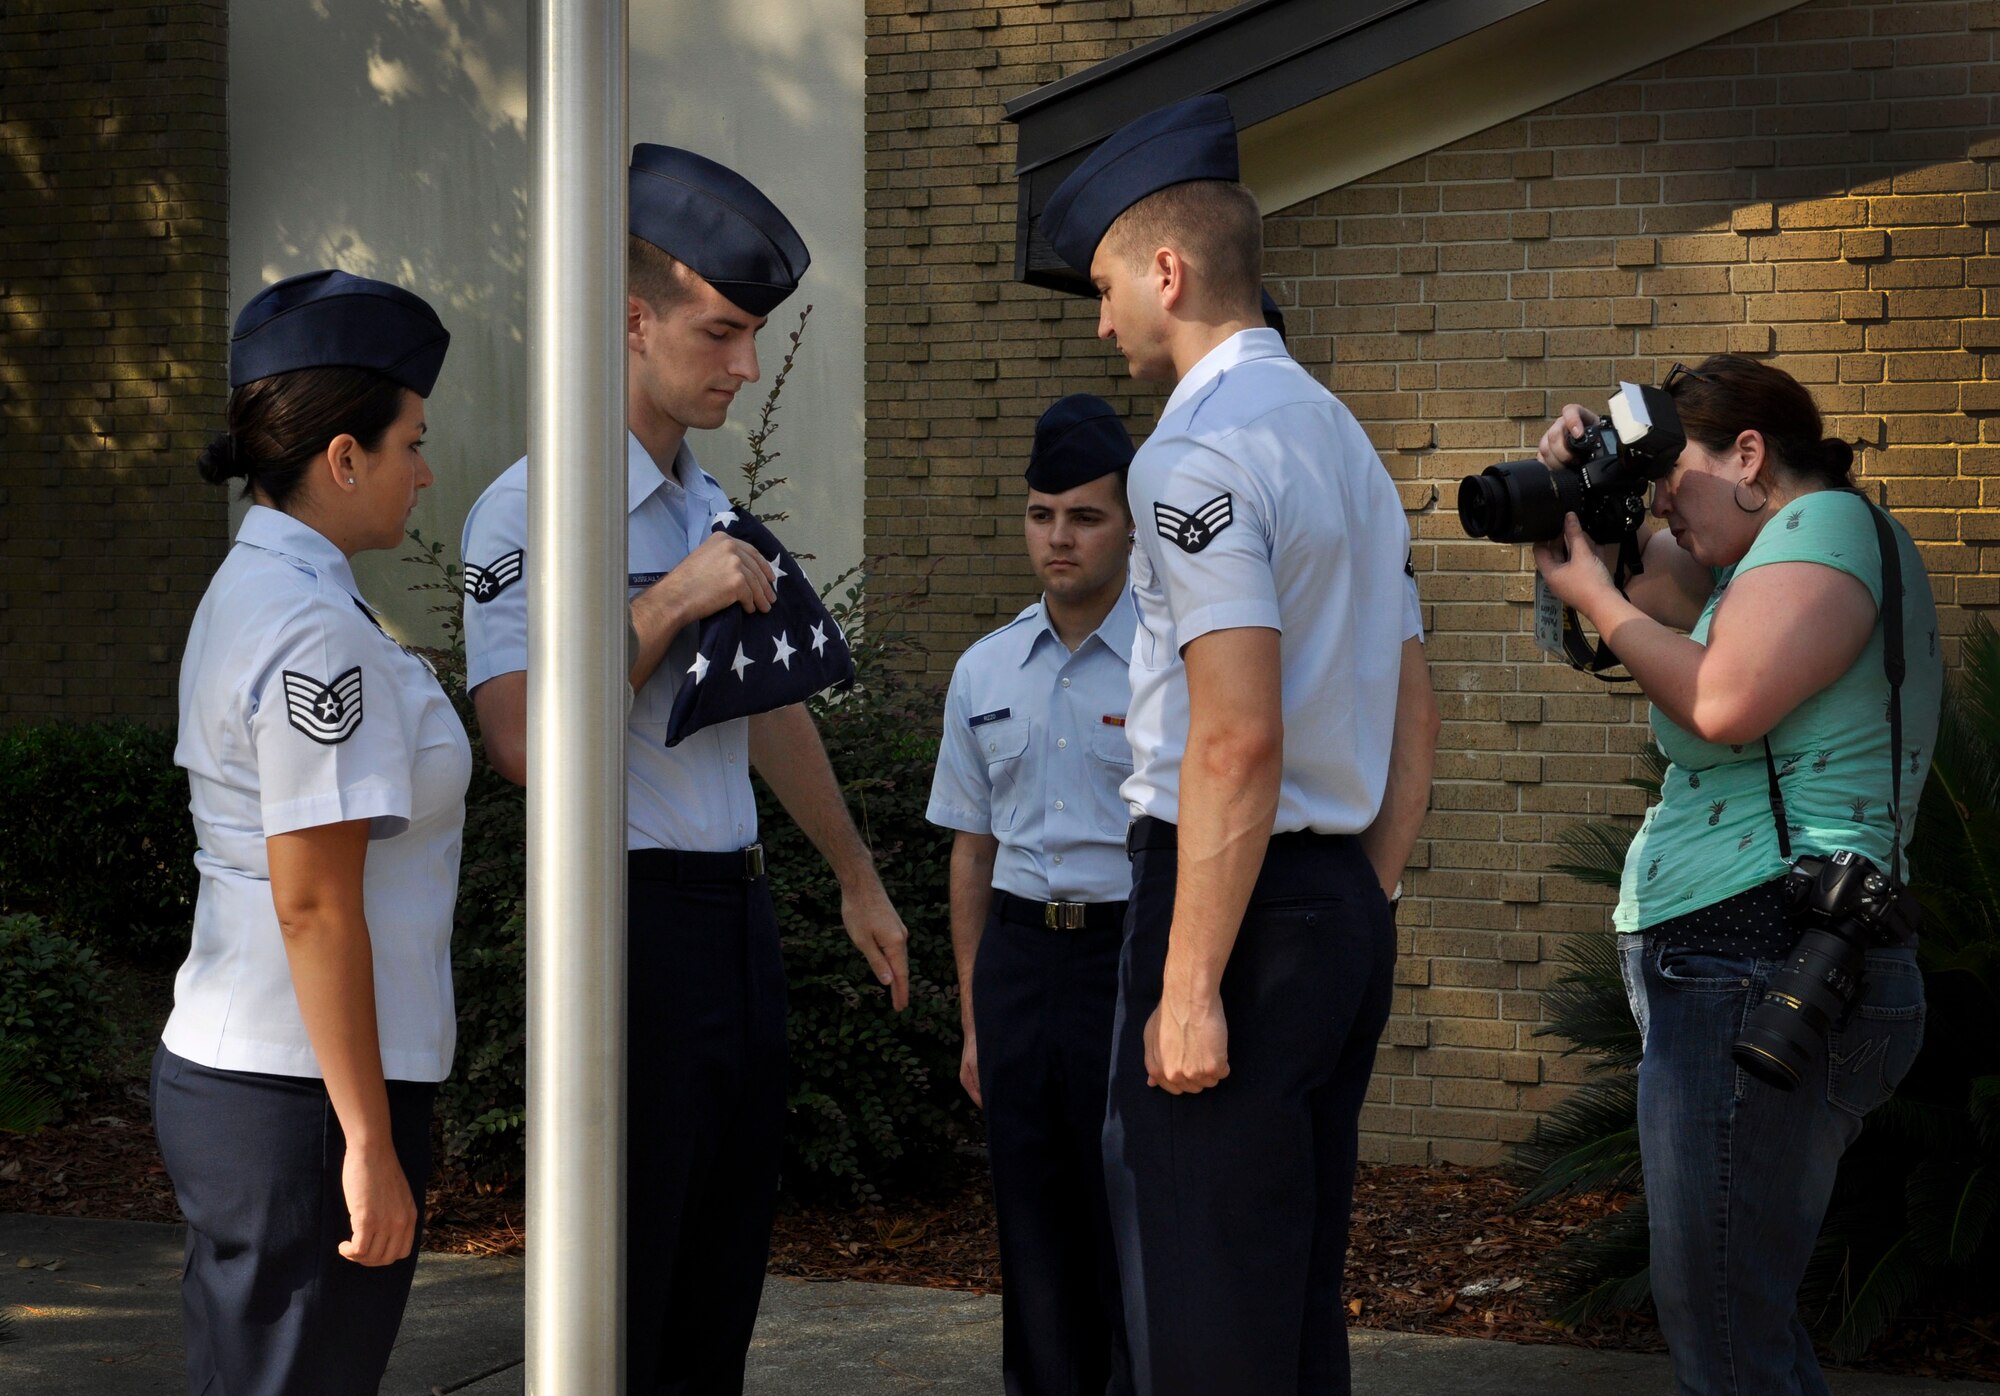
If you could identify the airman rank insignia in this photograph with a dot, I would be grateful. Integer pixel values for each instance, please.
(329, 713)
(482, 584)
(1193, 532)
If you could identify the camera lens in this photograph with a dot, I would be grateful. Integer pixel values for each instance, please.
(1518, 501)
(1805, 997)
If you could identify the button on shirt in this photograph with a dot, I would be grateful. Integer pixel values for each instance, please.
(1034, 751)
(1259, 502)
(296, 711)
(695, 796)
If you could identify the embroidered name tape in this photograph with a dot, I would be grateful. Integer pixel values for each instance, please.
(642, 579)
(482, 584)
(329, 713)
(993, 716)
(1191, 532)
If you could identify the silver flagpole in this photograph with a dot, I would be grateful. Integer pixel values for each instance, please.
(576, 700)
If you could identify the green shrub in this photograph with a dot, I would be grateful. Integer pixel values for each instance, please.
(95, 835)
(874, 1093)
(52, 1005)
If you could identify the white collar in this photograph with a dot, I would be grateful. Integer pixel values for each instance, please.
(1242, 347)
(1114, 632)
(275, 531)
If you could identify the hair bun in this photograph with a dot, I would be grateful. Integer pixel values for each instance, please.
(219, 461)
(1836, 460)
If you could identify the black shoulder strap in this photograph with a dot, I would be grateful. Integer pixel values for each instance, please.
(1893, 668)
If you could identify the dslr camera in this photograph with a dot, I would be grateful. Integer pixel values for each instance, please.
(1844, 905)
(1604, 484)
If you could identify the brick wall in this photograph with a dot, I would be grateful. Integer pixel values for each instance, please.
(113, 340)
(1817, 189)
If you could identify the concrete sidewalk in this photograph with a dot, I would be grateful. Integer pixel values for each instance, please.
(97, 1310)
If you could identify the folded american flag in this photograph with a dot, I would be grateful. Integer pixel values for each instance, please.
(749, 662)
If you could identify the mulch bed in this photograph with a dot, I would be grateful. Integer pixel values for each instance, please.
(1434, 1250)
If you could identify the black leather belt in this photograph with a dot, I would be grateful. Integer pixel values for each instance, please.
(1146, 833)
(1060, 916)
(678, 865)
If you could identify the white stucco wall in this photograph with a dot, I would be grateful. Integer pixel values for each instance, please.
(388, 137)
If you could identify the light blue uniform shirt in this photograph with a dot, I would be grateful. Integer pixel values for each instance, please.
(696, 796)
(297, 711)
(1259, 502)
(1034, 751)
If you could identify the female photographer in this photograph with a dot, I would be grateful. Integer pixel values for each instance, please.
(1754, 627)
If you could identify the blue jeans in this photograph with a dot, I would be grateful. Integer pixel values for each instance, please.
(1738, 1173)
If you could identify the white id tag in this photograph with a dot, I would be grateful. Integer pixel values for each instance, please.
(1548, 619)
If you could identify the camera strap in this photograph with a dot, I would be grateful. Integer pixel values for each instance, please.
(1577, 647)
(1893, 668)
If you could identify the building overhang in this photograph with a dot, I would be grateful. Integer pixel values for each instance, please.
(1327, 91)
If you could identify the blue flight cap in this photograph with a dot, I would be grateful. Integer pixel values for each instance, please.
(716, 222)
(333, 319)
(1078, 439)
(1195, 139)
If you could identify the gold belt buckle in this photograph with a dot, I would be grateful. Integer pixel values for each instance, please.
(753, 862)
(1064, 916)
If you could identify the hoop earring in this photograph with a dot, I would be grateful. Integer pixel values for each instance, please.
(1735, 496)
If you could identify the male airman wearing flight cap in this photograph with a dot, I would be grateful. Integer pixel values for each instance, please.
(709, 257)
(1028, 771)
(1275, 816)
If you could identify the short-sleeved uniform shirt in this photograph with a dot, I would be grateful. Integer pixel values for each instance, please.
(1259, 502)
(695, 796)
(1034, 751)
(1713, 833)
(296, 711)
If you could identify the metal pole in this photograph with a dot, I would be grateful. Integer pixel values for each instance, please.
(576, 700)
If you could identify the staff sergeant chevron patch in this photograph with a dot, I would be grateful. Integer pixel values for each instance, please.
(482, 584)
(1193, 532)
(329, 713)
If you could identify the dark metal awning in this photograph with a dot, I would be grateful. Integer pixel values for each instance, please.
(1267, 56)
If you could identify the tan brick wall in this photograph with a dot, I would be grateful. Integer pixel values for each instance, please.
(1818, 188)
(113, 337)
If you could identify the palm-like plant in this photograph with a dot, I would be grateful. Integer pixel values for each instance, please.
(1916, 1208)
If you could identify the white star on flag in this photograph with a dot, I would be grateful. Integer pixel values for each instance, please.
(699, 668)
(778, 573)
(785, 651)
(741, 662)
(724, 519)
(819, 640)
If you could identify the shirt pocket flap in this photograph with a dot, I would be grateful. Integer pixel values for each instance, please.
(1003, 739)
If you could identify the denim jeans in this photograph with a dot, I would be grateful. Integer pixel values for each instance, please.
(1738, 1172)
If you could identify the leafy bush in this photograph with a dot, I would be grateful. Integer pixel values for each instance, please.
(874, 1093)
(1915, 1213)
(95, 835)
(52, 1005)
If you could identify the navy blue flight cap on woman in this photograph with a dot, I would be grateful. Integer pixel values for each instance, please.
(1078, 439)
(716, 222)
(1190, 140)
(334, 319)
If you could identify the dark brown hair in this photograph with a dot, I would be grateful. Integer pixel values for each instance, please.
(658, 278)
(1214, 223)
(1726, 395)
(278, 425)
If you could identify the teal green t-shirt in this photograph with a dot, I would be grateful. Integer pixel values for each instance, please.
(1713, 834)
